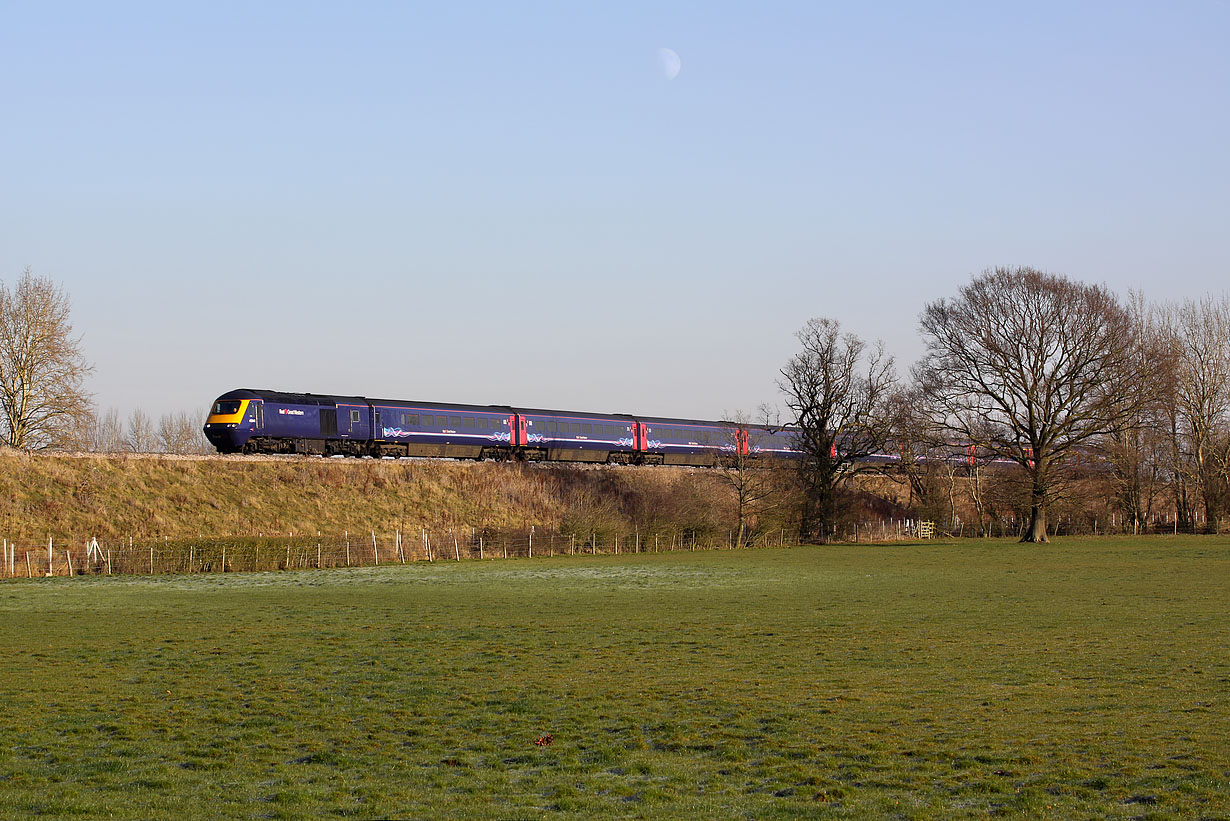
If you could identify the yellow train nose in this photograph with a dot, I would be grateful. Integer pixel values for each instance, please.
(228, 412)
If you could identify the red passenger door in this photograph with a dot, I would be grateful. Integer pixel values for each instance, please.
(517, 430)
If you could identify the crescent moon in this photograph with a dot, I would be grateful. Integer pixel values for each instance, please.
(670, 63)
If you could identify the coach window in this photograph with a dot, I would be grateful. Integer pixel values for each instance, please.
(587, 429)
(468, 421)
(412, 419)
(454, 421)
(428, 421)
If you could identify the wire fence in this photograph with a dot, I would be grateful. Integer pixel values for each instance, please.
(22, 559)
(130, 556)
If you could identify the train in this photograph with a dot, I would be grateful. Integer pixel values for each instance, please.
(266, 421)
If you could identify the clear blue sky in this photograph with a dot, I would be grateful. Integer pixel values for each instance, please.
(512, 203)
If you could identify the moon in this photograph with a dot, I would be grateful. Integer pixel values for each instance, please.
(670, 63)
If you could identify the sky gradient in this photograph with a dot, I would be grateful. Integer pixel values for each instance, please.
(514, 203)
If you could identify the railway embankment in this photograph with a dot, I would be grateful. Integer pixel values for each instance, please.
(79, 496)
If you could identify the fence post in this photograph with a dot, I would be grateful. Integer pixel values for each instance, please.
(375, 552)
(531, 555)
(456, 548)
(480, 547)
(51, 568)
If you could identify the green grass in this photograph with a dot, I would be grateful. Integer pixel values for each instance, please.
(1088, 678)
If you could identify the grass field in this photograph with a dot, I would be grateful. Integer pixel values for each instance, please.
(1087, 678)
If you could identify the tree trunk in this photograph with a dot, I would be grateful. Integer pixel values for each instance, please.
(1036, 532)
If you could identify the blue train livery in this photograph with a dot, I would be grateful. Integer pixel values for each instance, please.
(262, 421)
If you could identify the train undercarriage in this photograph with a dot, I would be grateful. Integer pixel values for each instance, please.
(399, 450)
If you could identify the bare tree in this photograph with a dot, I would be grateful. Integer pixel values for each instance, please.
(919, 443)
(140, 436)
(1031, 366)
(42, 371)
(747, 473)
(1200, 331)
(107, 433)
(1138, 453)
(837, 390)
(180, 433)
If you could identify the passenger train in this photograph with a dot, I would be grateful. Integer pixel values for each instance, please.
(263, 421)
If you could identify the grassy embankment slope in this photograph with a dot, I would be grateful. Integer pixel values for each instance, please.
(74, 497)
(1086, 678)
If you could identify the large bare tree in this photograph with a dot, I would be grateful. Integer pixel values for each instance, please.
(1031, 366)
(42, 370)
(837, 390)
